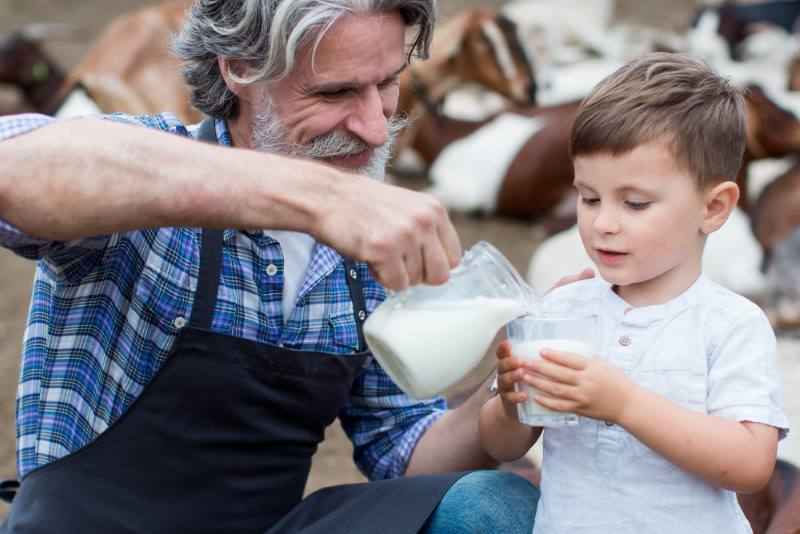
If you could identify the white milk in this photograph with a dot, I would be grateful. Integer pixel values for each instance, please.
(428, 348)
(530, 411)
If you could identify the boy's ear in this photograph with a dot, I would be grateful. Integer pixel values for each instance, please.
(719, 202)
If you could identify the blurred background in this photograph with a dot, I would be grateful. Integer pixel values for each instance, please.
(493, 108)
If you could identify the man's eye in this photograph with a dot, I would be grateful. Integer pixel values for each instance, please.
(637, 205)
(333, 94)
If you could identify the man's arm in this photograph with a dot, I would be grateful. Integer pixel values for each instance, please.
(76, 179)
(452, 443)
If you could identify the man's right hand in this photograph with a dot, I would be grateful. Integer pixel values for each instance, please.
(406, 237)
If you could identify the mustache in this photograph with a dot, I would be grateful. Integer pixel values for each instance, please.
(339, 143)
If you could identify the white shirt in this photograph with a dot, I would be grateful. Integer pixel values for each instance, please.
(709, 350)
(296, 248)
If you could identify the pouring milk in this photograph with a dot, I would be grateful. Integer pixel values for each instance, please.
(427, 338)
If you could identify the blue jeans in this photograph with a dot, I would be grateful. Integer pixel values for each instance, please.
(486, 501)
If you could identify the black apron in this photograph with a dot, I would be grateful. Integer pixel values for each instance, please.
(221, 440)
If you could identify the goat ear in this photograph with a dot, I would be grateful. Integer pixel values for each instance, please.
(719, 202)
(449, 38)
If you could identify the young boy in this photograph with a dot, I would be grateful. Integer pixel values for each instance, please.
(683, 406)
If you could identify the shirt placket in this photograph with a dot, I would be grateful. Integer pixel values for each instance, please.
(610, 435)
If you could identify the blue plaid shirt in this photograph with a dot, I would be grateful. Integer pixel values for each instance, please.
(106, 311)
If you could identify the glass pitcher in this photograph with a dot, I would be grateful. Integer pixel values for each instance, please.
(427, 338)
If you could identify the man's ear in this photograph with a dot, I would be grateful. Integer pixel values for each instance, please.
(719, 202)
(230, 69)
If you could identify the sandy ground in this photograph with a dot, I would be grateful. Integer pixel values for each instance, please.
(517, 240)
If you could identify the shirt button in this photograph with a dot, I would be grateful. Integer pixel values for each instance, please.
(624, 341)
(353, 274)
(272, 269)
(362, 315)
(179, 322)
(609, 423)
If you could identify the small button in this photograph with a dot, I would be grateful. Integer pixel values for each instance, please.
(624, 341)
(362, 314)
(609, 423)
(179, 322)
(353, 274)
(272, 269)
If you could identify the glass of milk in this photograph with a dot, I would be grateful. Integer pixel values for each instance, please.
(427, 338)
(532, 333)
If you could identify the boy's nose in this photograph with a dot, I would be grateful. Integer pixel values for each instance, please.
(606, 221)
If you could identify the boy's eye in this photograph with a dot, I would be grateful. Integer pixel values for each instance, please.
(637, 205)
(590, 201)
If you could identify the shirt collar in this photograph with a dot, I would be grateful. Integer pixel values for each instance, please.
(623, 312)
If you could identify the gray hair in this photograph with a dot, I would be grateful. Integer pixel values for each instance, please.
(267, 34)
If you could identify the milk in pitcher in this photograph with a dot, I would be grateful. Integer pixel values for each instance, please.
(428, 347)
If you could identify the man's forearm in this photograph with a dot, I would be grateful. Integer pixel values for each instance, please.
(76, 179)
(452, 443)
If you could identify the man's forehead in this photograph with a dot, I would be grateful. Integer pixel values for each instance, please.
(360, 48)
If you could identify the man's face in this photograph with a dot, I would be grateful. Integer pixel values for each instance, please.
(336, 107)
(640, 219)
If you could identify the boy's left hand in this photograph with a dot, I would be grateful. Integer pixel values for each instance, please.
(591, 387)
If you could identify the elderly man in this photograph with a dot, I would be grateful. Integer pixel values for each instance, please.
(179, 380)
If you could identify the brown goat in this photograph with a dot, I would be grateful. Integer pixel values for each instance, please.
(776, 508)
(541, 173)
(25, 65)
(129, 69)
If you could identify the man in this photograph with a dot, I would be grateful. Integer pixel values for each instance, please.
(179, 380)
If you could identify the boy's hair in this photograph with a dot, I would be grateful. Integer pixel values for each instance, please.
(674, 98)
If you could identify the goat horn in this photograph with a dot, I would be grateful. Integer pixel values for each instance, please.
(53, 30)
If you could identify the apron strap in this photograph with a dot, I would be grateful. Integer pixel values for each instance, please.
(205, 297)
(359, 302)
(211, 258)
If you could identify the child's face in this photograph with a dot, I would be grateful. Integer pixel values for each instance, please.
(640, 218)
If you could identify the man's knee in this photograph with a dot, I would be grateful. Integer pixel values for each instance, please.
(486, 501)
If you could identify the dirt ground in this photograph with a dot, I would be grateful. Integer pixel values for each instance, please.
(332, 463)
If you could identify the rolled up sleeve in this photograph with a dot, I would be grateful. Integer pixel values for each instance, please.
(384, 423)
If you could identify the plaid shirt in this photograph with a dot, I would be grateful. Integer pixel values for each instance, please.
(106, 311)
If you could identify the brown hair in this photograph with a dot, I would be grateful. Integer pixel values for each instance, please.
(674, 98)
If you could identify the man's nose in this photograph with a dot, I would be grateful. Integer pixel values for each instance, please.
(368, 120)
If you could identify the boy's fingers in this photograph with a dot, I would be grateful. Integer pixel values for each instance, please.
(567, 359)
(553, 389)
(508, 364)
(515, 397)
(506, 381)
(553, 371)
(503, 350)
(558, 405)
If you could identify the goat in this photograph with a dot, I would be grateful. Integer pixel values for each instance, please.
(535, 178)
(128, 68)
(776, 508)
(738, 21)
(25, 64)
(477, 46)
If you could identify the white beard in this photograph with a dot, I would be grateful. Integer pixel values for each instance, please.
(269, 134)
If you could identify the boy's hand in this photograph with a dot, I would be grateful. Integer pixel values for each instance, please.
(591, 387)
(510, 370)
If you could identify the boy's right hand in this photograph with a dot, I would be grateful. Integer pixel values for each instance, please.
(510, 370)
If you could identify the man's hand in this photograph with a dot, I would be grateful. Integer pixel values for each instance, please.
(583, 275)
(406, 237)
(591, 387)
